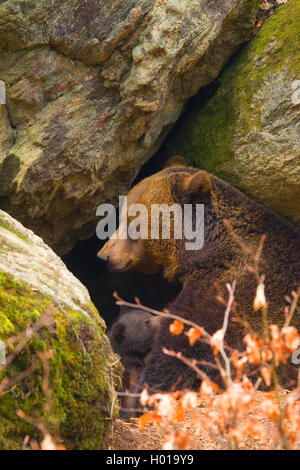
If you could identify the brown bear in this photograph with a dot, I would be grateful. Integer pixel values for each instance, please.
(132, 337)
(220, 260)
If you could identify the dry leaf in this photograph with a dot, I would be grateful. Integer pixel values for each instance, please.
(176, 328)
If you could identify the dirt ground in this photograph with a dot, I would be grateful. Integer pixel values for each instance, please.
(126, 435)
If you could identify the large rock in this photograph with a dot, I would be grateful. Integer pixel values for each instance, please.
(34, 282)
(92, 89)
(249, 131)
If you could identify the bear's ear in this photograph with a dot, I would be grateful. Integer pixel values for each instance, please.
(198, 184)
(176, 161)
(117, 331)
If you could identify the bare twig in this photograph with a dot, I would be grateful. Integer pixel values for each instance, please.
(292, 307)
(8, 384)
(224, 329)
(128, 394)
(189, 362)
(165, 314)
(44, 320)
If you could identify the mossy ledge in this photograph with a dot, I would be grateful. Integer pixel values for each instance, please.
(82, 371)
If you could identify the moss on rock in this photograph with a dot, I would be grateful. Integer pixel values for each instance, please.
(82, 371)
(34, 282)
(5, 224)
(247, 132)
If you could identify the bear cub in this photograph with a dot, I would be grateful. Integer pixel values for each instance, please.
(132, 337)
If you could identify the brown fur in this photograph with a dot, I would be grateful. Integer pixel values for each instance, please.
(132, 337)
(220, 260)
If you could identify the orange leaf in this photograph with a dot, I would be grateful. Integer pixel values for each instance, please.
(270, 409)
(208, 389)
(193, 334)
(216, 341)
(266, 375)
(260, 299)
(183, 440)
(176, 327)
(253, 348)
(179, 413)
(144, 420)
(291, 338)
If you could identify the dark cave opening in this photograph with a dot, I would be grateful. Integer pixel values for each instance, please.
(152, 290)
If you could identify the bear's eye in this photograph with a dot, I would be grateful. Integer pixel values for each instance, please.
(147, 322)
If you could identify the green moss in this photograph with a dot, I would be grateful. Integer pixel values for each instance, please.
(4, 223)
(82, 371)
(6, 327)
(206, 135)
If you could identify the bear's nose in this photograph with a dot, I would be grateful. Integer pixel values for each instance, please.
(105, 259)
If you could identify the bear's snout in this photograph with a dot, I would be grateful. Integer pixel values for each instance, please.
(105, 259)
(114, 257)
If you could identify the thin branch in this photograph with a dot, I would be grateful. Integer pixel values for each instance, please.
(292, 307)
(44, 320)
(191, 363)
(165, 314)
(128, 394)
(7, 384)
(228, 308)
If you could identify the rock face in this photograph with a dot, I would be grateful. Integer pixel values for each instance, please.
(33, 283)
(249, 131)
(92, 89)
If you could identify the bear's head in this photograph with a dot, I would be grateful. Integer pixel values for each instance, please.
(132, 335)
(175, 184)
